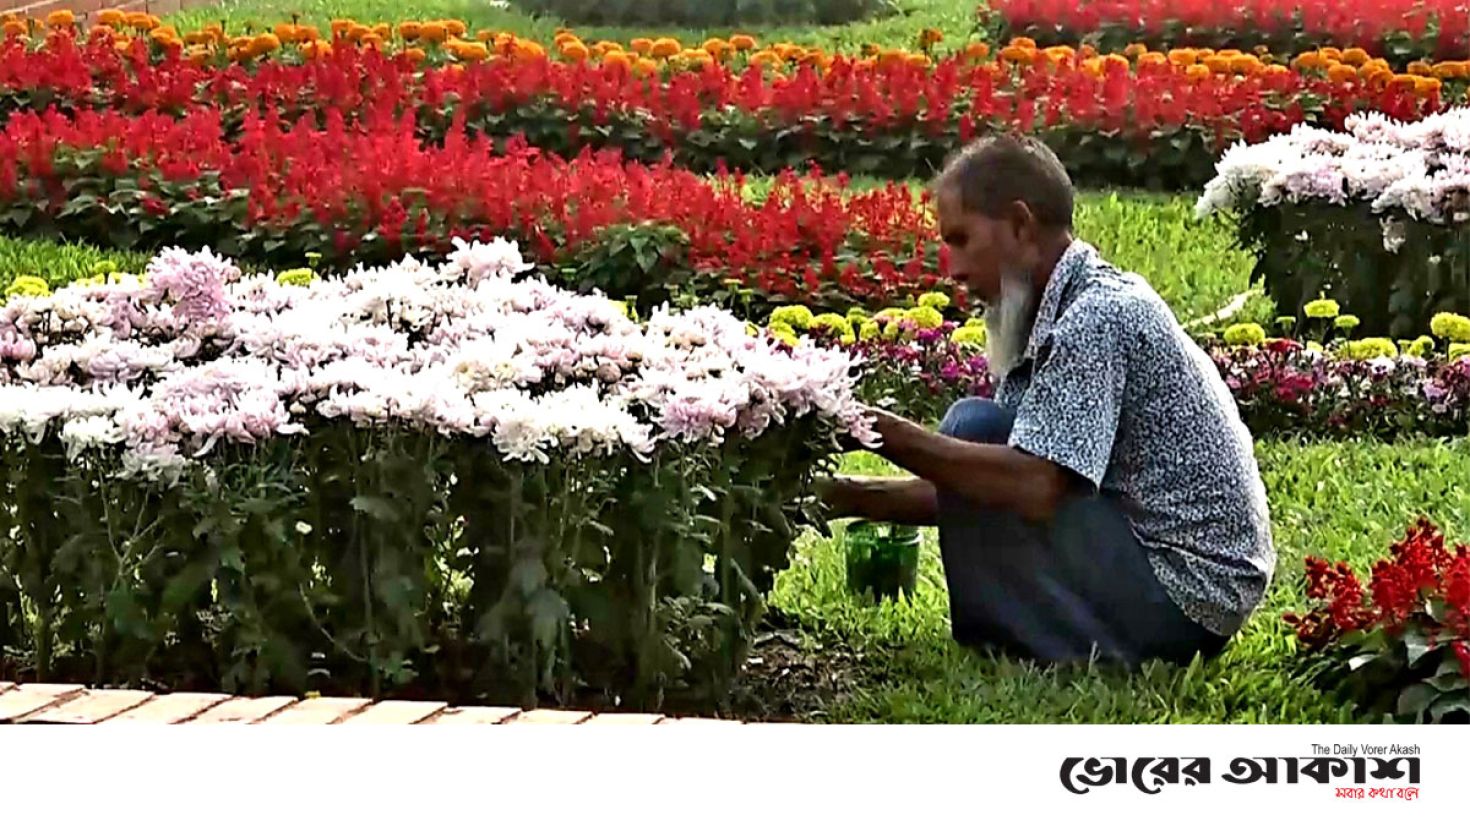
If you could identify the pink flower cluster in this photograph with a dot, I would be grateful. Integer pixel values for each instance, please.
(195, 353)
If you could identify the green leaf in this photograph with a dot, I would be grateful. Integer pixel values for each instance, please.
(1448, 704)
(1415, 699)
(377, 507)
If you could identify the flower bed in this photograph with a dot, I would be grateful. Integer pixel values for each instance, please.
(1376, 217)
(1147, 121)
(1401, 645)
(917, 361)
(433, 479)
(280, 193)
(1403, 30)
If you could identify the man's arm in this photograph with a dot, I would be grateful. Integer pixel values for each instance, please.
(993, 476)
(881, 499)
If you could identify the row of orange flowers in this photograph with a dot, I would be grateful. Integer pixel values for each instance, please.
(421, 39)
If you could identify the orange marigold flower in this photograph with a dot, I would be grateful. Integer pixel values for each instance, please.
(383, 31)
(1197, 71)
(340, 27)
(63, 19)
(698, 57)
(1133, 51)
(1405, 82)
(410, 29)
(645, 67)
(641, 45)
(1153, 59)
(618, 58)
(140, 21)
(456, 27)
(1183, 57)
(1277, 69)
(1087, 50)
(574, 50)
(1355, 56)
(743, 42)
(485, 35)
(306, 34)
(1425, 86)
(765, 57)
(435, 32)
(415, 55)
(715, 46)
(111, 17)
(1341, 73)
(1016, 54)
(196, 55)
(1228, 53)
(919, 61)
(1308, 60)
(316, 48)
(99, 30)
(1093, 66)
(529, 50)
(198, 38)
(666, 47)
(286, 32)
(14, 29)
(1419, 67)
(1246, 64)
(1024, 42)
(1059, 54)
(977, 51)
(359, 33)
(1217, 64)
(930, 36)
(264, 44)
(1116, 60)
(472, 51)
(123, 45)
(1331, 53)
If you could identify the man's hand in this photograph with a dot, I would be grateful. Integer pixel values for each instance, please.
(902, 500)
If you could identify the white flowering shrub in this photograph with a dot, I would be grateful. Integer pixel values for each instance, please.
(443, 476)
(1376, 216)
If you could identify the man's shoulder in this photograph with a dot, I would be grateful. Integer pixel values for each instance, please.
(1107, 299)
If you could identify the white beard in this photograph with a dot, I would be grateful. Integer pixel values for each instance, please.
(1008, 324)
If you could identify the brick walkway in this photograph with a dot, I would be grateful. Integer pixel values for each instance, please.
(78, 705)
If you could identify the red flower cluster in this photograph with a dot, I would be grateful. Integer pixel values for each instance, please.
(1420, 580)
(1135, 107)
(1442, 26)
(299, 188)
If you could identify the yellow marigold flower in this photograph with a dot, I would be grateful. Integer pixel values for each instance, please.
(868, 330)
(1355, 56)
(641, 45)
(786, 337)
(1346, 322)
(1418, 67)
(1452, 326)
(410, 29)
(1321, 308)
(892, 331)
(665, 47)
(1093, 66)
(63, 19)
(28, 285)
(888, 314)
(857, 315)
(1458, 351)
(968, 336)
(1420, 347)
(434, 32)
(456, 27)
(1315, 346)
(927, 318)
(938, 301)
(1183, 57)
(111, 17)
(1370, 348)
(1244, 335)
(796, 315)
(299, 277)
(743, 42)
(847, 338)
(831, 323)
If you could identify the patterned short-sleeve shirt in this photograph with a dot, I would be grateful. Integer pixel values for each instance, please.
(1112, 388)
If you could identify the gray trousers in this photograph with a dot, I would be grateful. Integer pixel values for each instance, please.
(1077, 587)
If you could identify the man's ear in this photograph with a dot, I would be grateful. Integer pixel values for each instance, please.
(1022, 222)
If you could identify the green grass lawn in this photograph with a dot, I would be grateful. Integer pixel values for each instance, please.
(1340, 500)
(953, 17)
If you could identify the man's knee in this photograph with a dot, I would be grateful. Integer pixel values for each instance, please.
(978, 420)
